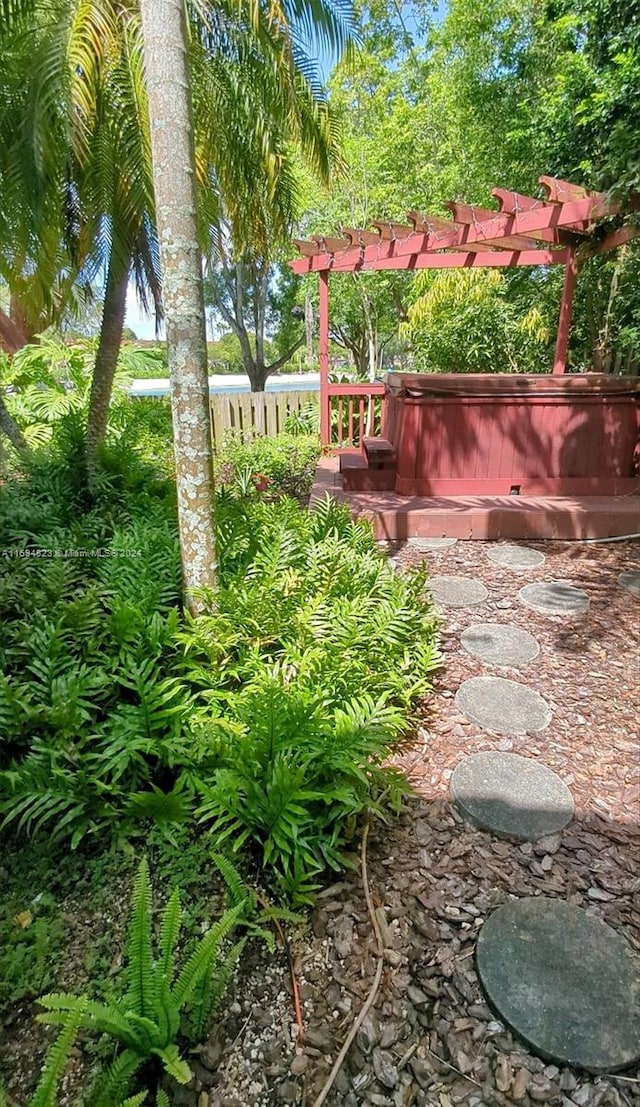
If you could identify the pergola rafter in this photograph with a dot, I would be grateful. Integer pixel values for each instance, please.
(525, 231)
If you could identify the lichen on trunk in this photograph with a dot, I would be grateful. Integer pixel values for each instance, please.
(167, 75)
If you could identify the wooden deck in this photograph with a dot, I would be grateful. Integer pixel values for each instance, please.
(397, 518)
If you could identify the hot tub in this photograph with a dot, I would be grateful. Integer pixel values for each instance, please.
(460, 434)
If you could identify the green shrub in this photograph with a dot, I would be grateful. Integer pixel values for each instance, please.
(301, 682)
(269, 718)
(468, 321)
(288, 461)
(51, 378)
(89, 606)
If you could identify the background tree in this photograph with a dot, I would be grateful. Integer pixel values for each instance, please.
(255, 298)
(492, 94)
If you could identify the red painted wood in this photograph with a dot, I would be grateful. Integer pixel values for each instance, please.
(323, 358)
(368, 480)
(539, 433)
(502, 224)
(385, 256)
(564, 322)
(350, 418)
(358, 389)
(529, 486)
(341, 420)
(617, 238)
(397, 517)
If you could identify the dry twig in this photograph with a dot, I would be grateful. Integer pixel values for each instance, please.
(371, 998)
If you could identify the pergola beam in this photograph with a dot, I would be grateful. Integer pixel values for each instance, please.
(560, 191)
(474, 216)
(460, 259)
(435, 224)
(407, 242)
(617, 238)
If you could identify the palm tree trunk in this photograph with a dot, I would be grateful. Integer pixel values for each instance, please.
(167, 74)
(12, 338)
(113, 315)
(9, 427)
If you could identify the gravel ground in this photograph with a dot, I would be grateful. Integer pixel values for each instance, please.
(431, 1039)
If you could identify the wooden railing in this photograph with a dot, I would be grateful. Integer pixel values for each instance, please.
(353, 412)
(255, 413)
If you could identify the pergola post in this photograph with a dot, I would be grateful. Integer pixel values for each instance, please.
(564, 322)
(323, 357)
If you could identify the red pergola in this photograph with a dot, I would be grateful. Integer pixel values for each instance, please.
(524, 231)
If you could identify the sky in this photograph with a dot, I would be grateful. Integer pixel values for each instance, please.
(143, 326)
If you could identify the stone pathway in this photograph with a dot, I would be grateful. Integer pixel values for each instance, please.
(435, 1038)
(512, 796)
(500, 644)
(567, 984)
(457, 591)
(558, 597)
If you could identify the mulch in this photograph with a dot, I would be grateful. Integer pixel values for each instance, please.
(433, 1040)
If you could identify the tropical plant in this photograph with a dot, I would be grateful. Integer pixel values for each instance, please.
(464, 322)
(288, 748)
(116, 712)
(145, 1022)
(78, 196)
(283, 464)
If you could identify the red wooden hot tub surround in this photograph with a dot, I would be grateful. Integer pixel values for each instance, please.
(475, 434)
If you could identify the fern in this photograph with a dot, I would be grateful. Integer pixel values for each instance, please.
(147, 1020)
(117, 1079)
(141, 994)
(56, 1060)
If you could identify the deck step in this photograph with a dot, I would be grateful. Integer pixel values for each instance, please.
(397, 517)
(380, 453)
(366, 479)
(352, 461)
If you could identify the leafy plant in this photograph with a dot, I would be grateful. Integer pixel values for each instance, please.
(287, 748)
(30, 939)
(306, 420)
(288, 461)
(146, 1021)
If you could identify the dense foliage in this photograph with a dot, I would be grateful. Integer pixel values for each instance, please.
(465, 322)
(267, 718)
(444, 107)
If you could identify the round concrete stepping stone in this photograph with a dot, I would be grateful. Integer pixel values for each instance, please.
(457, 591)
(512, 796)
(565, 982)
(630, 581)
(503, 706)
(497, 644)
(557, 597)
(516, 557)
(431, 543)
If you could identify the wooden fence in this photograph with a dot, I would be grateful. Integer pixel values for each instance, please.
(254, 413)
